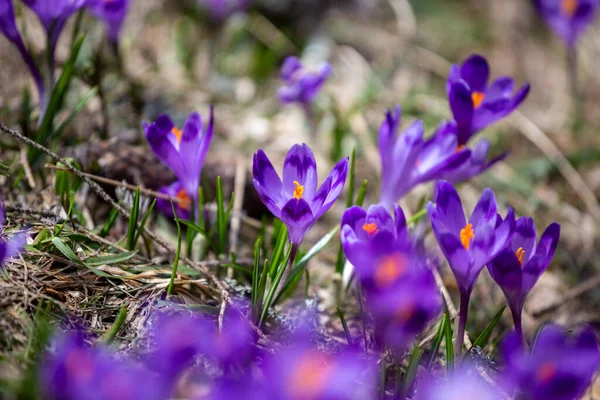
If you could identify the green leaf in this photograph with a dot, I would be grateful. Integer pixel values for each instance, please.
(278, 251)
(345, 326)
(437, 341)
(70, 254)
(221, 224)
(350, 198)
(198, 229)
(110, 222)
(110, 259)
(411, 371)
(362, 192)
(80, 106)
(255, 273)
(274, 286)
(448, 340)
(133, 219)
(110, 335)
(417, 217)
(177, 253)
(304, 260)
(484, 336)
(144, 221)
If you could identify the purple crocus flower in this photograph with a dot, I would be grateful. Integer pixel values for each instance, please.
(112, 12)
(462, 383)
(399, 287)
(13, 246)
(176, 191)
(518, 267)
(303, 372)
(296, 200)
(8, 27)
(475, 104)
(53, 14)
(408, 160)
(75, 371)
(559, 367)
(182, 150)
(476, 162)
(301, 83)
(468, 245)
(568, 18)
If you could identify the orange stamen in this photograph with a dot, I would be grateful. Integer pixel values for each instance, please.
(370, 228)
(466, 235)
(175, 131)
(298, 190)
(310, 376)
(389, 270)
(184, 199)
(520, 253)
(460, 148)
(569, 7)
(477, 98)
(546, 371)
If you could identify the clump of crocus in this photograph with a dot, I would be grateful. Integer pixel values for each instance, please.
(296, 200)
(8, 27)
(518, 267)
(468, 245)
(183, 151)
(559, 367)
(476, 104)
(13, 246)
(112, 13)
(304, 372)
(302, 83)
(568, 18)
(463, 383)
(400, 290)
(75, 371)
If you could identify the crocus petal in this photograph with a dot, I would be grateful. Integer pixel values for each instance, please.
(272, 203)
(524, 237)
(330, 189)
(461, 104)
(502, 87)
(12, 246)
(380, 216)
(538, 264)
(354, 217)
(476, 71)
(300, 166)
(449, 207)
(485, 211)
(505, 270)
(267, 178)
(458, 259)
(400, 221)
(298, 217)
(157, 135)
(503, 233)
(387, 136)
(290, 66)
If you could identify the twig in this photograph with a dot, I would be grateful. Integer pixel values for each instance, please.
(106, 197)
(27, 168)
(570, 295)
(31, 211)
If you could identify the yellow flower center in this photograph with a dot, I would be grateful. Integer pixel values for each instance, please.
(175, 131)
(184, 199)
(310, 376)
(569, 7)
(477, 98)
(546, 371)
(298, 190)
(389, 270)
(466, 235)
(520, 253)
(370, 228)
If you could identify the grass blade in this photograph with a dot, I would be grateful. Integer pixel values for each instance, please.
(255, 274)
(110, 259)
(80, 106)
(221, 223)
(275, 284)
(362, 192)
(411, 371)
(110, 335)
(133, 218)
(144, 220)
(345, 326)
(177, 253)
(110, 222)
(484, 336)
(448, 340)
(350, 198)
(304, 260)
(278, 251)
(437, 341)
